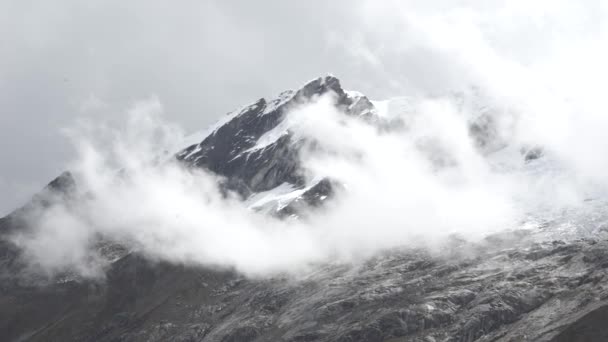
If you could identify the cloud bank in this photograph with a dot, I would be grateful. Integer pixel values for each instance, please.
(533, 71)
(410, 186)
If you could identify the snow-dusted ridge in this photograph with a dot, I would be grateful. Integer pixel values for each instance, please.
(540, 281)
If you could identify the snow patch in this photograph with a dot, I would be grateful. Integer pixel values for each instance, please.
(270, 137)
(281, 196)
(322, 80)
(353, 93)
(199, 136)
(283, 98)
(228, 117)
(393, 107)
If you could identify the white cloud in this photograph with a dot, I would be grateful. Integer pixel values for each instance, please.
(539, 67)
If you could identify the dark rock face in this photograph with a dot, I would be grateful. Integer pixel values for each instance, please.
(228, 150)
(511, 287)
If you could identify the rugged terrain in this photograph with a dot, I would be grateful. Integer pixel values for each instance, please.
(518, 285)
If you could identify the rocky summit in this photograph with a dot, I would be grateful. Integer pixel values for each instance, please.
(516, 285)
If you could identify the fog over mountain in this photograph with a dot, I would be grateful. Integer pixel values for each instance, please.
(71, 60)
(353, 171)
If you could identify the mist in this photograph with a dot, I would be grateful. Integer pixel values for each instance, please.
(536, 71)
(412, 186)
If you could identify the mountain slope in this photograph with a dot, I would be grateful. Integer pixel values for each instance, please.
(256, 152)
(511, 286)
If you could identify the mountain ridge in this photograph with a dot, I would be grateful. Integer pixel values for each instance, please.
(510, 286)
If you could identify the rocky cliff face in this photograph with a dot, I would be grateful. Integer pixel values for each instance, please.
(256, 154)
(512, 286)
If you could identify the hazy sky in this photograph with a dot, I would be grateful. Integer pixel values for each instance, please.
(62, 61)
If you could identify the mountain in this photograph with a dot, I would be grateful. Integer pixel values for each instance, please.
(257, 154)
(511, 286)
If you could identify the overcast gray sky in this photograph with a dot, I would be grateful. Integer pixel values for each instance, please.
(62, 60)
(70, 59)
